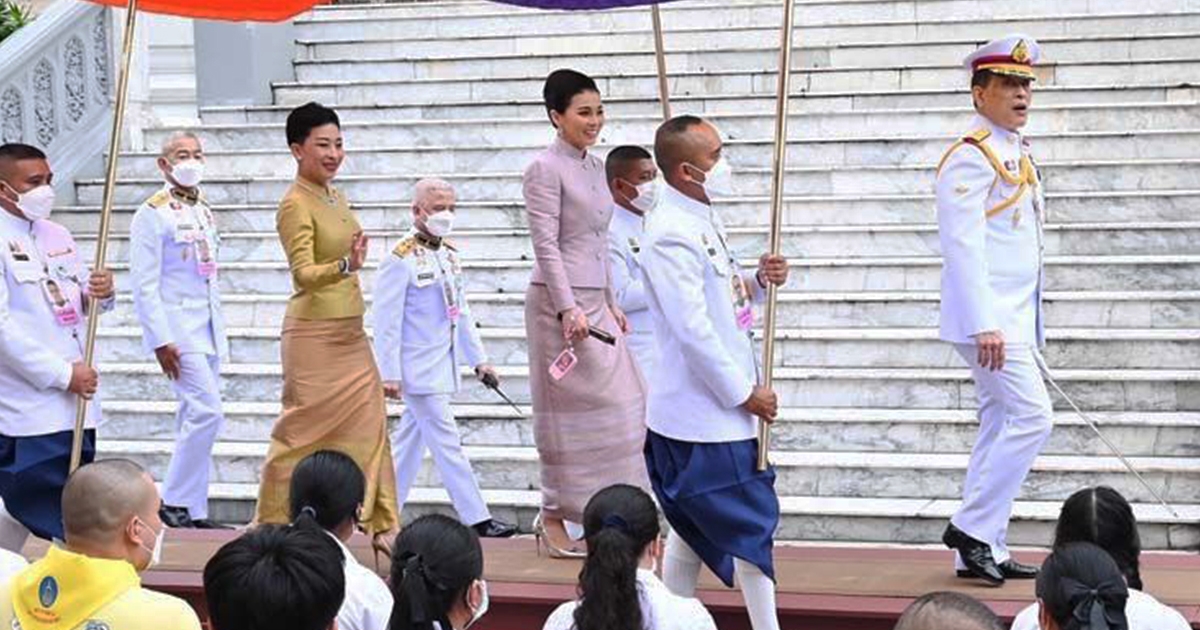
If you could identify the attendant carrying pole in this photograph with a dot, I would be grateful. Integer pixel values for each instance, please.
(110, 186)
(777, 174)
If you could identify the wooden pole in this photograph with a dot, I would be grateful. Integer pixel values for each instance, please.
(660, 56)
(778, 165)
(110, 186)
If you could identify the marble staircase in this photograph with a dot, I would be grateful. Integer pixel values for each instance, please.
(878, 419)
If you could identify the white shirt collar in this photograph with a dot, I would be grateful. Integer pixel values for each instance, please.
(15, 222)
(1001, 134)
(684, 202)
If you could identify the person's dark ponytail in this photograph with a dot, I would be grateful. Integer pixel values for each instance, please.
(619, 522)
(1083, 589)
(435, 561)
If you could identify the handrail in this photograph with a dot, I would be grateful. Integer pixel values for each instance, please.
(56, 86)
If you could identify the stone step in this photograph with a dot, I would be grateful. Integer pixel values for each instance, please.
(684, 48)
(1090, 176)
(838, 22)
(914, 388)
(528, 106)
(810, 310)
(824, 127)
(1147, 434)
(878, 150)
(1182, 238)
(832, 347)
(1065, 207)
(839, 474)
(838, 519)
(758, 80)
(1063, 273)
(723, 54)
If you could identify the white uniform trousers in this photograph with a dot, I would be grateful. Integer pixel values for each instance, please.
(427, 422)
(1015, 418)
(197, 423)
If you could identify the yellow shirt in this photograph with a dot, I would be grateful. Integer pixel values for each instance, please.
(316, 228)
(65, 585)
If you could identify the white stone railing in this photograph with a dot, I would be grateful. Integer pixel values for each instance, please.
(56, 85)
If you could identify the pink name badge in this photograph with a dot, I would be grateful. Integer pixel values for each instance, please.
(66, 316)
(453, 312)
(745, 317)
(563, 364)
(206, 265)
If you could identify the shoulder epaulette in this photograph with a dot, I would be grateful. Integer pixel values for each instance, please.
(160, 199)
(405, 247)
(450, 245)
(977, 136)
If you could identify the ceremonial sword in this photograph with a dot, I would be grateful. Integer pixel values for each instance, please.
(491, 382)
(1094, 426)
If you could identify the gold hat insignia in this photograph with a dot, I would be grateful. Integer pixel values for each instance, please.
(1020, 53)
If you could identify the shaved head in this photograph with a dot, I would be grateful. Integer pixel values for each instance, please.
(186, 139)
(948, 611)
(430, 187)
(677, 141)
(101, 498)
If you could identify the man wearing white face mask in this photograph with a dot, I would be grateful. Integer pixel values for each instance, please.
(43, 311)
(702, 447)
(631, 180)
(423, 328)
(173, 265)
(110, 512)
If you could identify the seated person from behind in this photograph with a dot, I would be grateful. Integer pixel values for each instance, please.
(327, 492)
(437, 576)
(948, 611)
(1080, 587)
(617, 586)
(276, 577)
(110, 516)
(1103, 517)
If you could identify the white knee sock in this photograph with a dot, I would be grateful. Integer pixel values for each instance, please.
(759, 592)
(681, 567)
(12, 533)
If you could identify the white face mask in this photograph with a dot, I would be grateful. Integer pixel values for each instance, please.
(156, 552)
(188, 173)
(482, 609)
(647, 196)
(36, 204)
(718, 181)
(440, 224)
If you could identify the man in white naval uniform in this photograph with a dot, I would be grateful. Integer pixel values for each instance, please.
(702, 446)
(989, 209)
(43, 324)
(423, 328)
(631, 180)
(173, 265)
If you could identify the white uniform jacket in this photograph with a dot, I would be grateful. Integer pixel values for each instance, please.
(626, 240)
(990, 211)
(172, 255)
(42, 327)
(423, 325)
(703, 317)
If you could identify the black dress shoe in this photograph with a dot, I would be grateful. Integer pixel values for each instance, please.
(175, 517)
(204, 523)
(1010, 569)
(977, 555)
(493, 528)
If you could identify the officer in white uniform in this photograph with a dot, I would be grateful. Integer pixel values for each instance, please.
(43, 326)
(173, 265)
(990, 211)
(702, 447)
(423, 329)
(631, 180)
